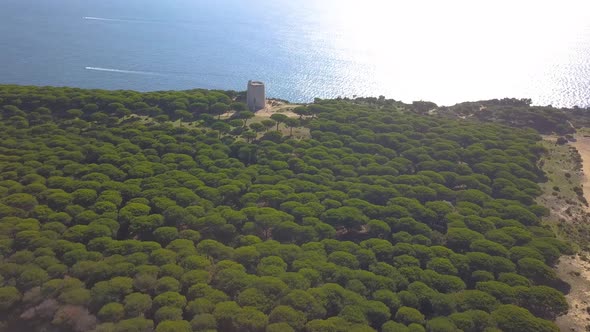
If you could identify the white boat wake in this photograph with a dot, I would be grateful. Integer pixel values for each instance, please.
(122, 71)
(104, 19)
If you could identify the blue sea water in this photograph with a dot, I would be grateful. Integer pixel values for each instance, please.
(445, 52)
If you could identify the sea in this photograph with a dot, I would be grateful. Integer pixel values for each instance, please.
(440, 51)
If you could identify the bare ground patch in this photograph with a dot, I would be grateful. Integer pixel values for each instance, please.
(575, 270)
(274, 106)
(567, 168)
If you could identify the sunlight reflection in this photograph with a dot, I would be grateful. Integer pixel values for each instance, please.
(443, 46)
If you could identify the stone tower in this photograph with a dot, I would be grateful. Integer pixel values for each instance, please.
(255, 97)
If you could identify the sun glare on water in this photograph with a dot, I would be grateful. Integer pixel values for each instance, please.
(459, 50)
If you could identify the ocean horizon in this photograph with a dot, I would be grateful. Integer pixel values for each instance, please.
(444, 53)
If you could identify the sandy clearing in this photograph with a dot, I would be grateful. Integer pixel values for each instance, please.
(273, 107)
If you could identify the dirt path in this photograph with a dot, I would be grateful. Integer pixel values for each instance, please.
(575, 270)
(569, 219)
(583, 146)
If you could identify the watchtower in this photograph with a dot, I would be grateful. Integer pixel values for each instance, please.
(255, 96)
